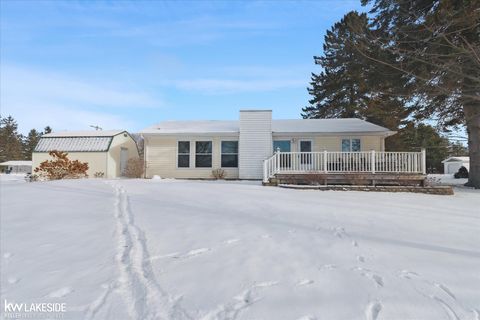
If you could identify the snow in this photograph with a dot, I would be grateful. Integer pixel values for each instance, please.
(446, 180)
(172, 249)
(279, 126)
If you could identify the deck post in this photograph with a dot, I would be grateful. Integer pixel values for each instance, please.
(424, 161)
(373, 160)
(265, 173)
(325, 153)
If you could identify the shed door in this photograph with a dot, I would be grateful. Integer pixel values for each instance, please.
(123, 160)
(453, 167)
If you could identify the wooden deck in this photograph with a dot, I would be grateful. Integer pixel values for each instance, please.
(364, 179)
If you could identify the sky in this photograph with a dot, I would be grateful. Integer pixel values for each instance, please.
(130, 64)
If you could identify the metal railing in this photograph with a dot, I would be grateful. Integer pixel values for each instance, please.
(344, 162)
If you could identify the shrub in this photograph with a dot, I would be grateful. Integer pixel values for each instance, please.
(99, 174)
(462, 173)
(134, 168)
(61, 167)
(219, 174)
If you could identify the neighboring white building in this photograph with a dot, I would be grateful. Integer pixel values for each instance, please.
(105, 151)
(192, 149)
(16, 166)
(452, 164)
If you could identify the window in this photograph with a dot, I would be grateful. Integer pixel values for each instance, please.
(283, 145)
(229, 154)
(351, 145)
(203, 154)
(183, 160)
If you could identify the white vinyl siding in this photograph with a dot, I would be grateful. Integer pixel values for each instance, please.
(255, 143)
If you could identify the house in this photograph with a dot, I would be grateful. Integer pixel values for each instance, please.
(16, 166)
(257, 147)
(105, 151)
(452, 164)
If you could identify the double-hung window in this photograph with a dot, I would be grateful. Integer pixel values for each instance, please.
(183, 158)
(203, 154)
(229, 154)
(351, 145)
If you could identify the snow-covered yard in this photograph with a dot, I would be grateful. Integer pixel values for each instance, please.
(156, 249)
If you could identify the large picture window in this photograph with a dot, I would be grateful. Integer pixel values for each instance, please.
(183, 158)
(229, 154)
(351, 145)
(203, 154)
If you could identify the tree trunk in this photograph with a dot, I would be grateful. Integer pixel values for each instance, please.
(472, 116)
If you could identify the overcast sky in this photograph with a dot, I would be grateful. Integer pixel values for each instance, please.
(127, 65)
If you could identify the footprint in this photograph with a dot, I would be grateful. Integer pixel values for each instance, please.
(196, 252)
(168, 255)
(266, 236)
(328, 267)
(7, 255)
(372, 310)
(265, 284)
(60, 293)
(408, 274)
(354, 243)
(13, 280)
(360, 258)
(307, 318)
(230, 241)
(304, 282)
(339, 232)
(476, 314)
(378, 280)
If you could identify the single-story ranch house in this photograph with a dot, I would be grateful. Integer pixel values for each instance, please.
(257, 147)
(105, 152)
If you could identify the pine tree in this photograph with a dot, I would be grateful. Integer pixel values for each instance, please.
(437, 45)
(30, 143)
(10, 140)
(349, 85)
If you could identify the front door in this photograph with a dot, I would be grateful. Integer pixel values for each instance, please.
(123, 160)
(305, 146)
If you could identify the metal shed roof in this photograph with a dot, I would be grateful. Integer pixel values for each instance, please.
(16, 163)
(72, 144)
(84, 133)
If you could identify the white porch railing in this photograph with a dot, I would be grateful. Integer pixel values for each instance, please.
(344, 162)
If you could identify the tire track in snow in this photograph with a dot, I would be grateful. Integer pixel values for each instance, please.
(143, 296)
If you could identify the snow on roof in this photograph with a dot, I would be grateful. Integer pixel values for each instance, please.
(281, 126)
(72, 144)
(84, 133)
(16, 163)
(325, 126)
(460, 159)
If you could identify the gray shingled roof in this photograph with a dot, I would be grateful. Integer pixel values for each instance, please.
(71, 144)
(278, 126)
